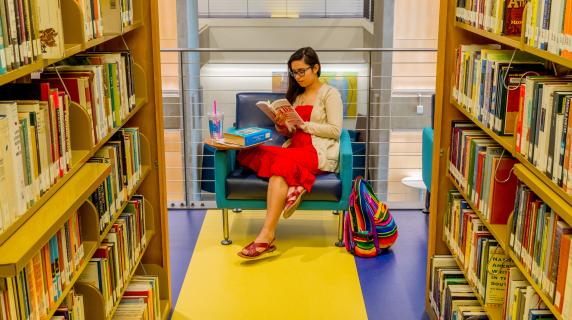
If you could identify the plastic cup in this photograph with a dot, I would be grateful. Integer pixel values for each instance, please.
(216, 125)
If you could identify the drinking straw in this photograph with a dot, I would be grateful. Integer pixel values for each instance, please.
(215, 106)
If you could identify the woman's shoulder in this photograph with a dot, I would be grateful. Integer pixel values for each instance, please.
(327, 90)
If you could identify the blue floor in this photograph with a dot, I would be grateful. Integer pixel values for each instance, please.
(184, 228)
(393, 284)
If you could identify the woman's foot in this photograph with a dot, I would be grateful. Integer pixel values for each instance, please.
(293, 200)
(261, 245)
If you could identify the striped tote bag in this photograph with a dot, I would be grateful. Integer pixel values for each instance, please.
(368, 224)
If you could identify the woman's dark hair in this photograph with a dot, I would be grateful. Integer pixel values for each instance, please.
(310, 58)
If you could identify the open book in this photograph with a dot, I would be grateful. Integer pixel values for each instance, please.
(281, 107)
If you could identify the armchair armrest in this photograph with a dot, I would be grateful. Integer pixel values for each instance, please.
(346, 164)
(224, 164)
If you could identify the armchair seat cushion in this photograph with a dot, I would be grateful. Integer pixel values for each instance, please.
(243, 184)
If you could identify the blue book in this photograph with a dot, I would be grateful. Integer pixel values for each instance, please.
(247, 136)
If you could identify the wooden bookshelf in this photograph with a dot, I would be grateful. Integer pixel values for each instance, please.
(539, 291)
(499, 231)
(506, 142)
(516, 42)
(89, 248)
(548, 195)
(149, 236)
(541, 181)
(33, 230)
(494, 312)
(145, 172)
(548, 56)
(511, 41)
(17, 251)
(79, 157)
(21, 72)
(165, 309)
(452, 34)
(501, 234)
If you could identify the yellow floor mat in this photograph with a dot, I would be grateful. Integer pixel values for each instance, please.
(307, 277)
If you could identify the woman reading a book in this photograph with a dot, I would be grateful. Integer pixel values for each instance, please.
(312, 148)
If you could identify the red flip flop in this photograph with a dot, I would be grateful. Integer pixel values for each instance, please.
(253, 253)
(292, 203)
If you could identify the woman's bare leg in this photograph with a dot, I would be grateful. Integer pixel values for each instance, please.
(275, 198)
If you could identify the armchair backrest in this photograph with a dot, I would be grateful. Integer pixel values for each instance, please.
(248, 114)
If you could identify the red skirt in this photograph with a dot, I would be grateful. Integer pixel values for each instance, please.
(297, 164)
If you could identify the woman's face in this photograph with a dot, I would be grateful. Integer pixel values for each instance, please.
(303, 73)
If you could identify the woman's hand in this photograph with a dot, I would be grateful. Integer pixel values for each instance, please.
(280, 120)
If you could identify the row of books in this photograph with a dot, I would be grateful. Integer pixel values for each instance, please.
(547, 23)
(543, 134)
(541, 241)
(21, 28)
(487, 82)
(35, 125)
(105, 17)
(72, 308)
(497, 16)
(483, 171)
(33, 29)
(450, 294)
(489, 269)
(32, 293)
(118, 254)
(99, 82)
(35, 151)
(141, 300)
(548, 26)
(123, 152)
(521, 300)
(480, 254)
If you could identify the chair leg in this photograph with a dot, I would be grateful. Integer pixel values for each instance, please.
(340, 242)
(226, 241)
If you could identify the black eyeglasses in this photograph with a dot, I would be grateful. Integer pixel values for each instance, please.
(299, 72)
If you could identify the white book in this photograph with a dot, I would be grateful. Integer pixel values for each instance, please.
(34, 106)
(6, 202)
(547, 103)
(51, 29)
(112, 18)
(9, 109)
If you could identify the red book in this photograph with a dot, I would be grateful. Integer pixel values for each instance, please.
(521, 96)
(513, 17)
(504, 190)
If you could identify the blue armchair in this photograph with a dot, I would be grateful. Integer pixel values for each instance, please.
(237, 187)
(427, 155)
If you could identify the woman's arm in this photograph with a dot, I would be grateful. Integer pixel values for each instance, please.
(334, 112)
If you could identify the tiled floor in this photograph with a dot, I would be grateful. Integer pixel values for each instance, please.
(307, 274)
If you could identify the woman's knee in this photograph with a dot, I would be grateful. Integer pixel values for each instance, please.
(277, 180)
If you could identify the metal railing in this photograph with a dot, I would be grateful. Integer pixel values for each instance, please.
(385, 127)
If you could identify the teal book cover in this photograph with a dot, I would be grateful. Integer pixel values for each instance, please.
(247, 136)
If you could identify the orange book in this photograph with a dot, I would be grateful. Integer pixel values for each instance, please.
(562, 272)
(568, 27)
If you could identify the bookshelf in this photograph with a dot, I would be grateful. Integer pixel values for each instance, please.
(452, 34)
(32, 230)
